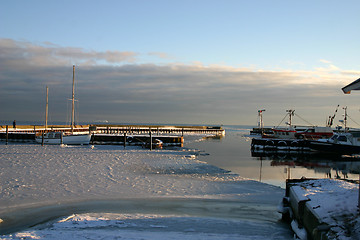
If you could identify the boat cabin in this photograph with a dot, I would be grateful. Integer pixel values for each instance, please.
(315, 133)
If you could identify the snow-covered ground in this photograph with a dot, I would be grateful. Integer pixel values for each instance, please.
(335, 202)
(108, 192)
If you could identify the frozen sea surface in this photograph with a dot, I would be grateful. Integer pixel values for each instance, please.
(108, 192)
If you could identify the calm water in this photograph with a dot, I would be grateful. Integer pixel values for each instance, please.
(233, 153)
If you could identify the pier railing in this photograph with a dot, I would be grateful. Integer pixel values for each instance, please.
(28, 132)
(158, 130)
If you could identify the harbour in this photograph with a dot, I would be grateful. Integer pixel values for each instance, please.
(155, 135)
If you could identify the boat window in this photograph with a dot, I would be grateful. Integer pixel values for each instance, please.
(287, 133)
(342, 139)
(334, 137)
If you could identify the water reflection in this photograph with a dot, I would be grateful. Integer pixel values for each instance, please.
(329, 165)
(216, 137)
(232, 152)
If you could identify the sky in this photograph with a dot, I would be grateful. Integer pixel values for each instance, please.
(179, 62)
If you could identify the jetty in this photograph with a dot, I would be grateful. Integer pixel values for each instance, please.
(113, 134)
(322, 208)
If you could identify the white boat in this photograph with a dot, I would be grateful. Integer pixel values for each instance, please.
(64, 137)
(340, 143)
(313, 133)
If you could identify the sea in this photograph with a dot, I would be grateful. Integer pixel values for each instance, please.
(214, 187)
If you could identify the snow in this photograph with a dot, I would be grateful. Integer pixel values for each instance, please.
(92, 192)
(335, 202)
(300, 232)
(109, 226)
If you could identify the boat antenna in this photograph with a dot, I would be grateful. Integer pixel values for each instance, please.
(261, 123)
(73, 101)
(47, 107)
(345, 117)
(291, 114)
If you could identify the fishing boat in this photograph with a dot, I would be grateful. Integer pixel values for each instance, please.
(302, 132)
(340, 143)
(72, 137)
(287, 132)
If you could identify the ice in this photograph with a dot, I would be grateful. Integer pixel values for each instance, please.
(157, 194)
(138, 226)
(33, 174)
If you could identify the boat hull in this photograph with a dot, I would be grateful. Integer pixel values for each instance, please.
(334, 147)
(78, 139)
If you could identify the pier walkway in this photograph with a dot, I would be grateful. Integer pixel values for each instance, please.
(111, 134)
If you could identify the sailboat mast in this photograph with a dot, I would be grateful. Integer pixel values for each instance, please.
(73, 101)
(47, 107)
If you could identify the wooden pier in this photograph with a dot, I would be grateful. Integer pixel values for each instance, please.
(158, 130)
(113, 134)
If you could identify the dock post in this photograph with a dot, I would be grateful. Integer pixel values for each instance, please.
(124, 139)
(7, 134)
(42, 139)
(61, 138)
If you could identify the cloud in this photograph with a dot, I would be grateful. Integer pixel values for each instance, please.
(51, 55)
(173, 92)
(325, 61)
(160, 55)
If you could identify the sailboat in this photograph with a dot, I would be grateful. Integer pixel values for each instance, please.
(64, 137)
